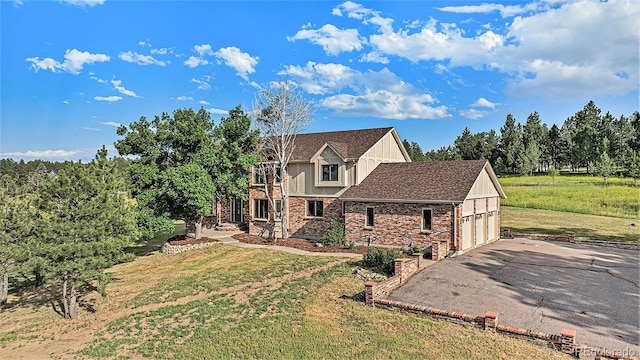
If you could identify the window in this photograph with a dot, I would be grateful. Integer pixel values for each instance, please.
(330, 172)
(278, 176)
(260, 209)
(278, 211)
(259, 174)
(426, 219)
(369, 219)
(344, 207)
(314, 208)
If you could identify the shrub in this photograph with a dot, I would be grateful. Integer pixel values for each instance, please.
(335, 234)
(381, 258)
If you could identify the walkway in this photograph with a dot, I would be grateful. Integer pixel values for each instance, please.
(226, 237)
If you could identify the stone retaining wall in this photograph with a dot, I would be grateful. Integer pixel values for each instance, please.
(570, 237)
(174, 249)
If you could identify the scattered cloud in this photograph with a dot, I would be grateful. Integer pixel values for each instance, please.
(505, 11)
(350, 92)
(204, 49)
(161, 51)
(90, 128)
(101, 81)
(43, 154)
(333, 40)
(194, 61)
(74, 61)
(215, 111)
(117, 84)
(184, 98)
(111, 123)
(140, 59)
(66, 101)
(473, 114)
(89, 3)
(144, 43)
(108, 98)
(482, 102)
(203, 84)
(242, 62)
(202, 102)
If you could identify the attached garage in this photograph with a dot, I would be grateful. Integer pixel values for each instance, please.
(462, 199)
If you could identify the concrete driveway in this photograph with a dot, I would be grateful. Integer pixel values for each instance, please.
(539, 285)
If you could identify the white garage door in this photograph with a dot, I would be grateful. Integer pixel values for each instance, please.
(480, 226)
(491, 219)
(467, 233)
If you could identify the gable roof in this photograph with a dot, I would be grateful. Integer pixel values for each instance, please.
(436, 181)
(349, 144)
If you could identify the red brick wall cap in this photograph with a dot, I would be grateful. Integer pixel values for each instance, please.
(491, 314)
(370, 283)
(568, 333)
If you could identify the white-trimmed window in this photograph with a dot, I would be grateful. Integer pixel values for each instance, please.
(278, 210)
(315, 208)
(426, 219)
(277, 178)
(330, 172)
(369, 218)
(261, 209)
(260, 174)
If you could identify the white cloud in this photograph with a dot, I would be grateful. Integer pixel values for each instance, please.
(215, 111)
(90, 128)
(66, 101)
(482, 102)
(111, 123)
(184, 98)
(194, 61)
(42, 153)
(140, 59)
(202, 84)
(473, 114)
(378, 94)
(117, 85)
(202, 50)
(89, 3)
(505, 11)
(108, 98)
(242, 62)
(161, 51)
(202, 102)
(144, 43)
(74, 61)
(333, 40)
(101, 81)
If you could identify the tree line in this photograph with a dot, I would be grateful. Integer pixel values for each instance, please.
(599, 144)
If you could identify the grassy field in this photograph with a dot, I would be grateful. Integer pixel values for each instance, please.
(586, 227)
(227, 302)
(575, 194)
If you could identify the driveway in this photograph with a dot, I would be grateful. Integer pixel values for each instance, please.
(539, 285)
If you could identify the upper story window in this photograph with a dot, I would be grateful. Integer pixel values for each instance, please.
(278, 175)
(330, 172)
(260, 174)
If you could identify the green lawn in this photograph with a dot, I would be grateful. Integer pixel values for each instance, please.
(223, 302)
(575, 194)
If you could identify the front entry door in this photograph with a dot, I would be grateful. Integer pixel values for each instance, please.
(236, 210)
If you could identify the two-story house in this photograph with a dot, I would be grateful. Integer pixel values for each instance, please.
(338, 175)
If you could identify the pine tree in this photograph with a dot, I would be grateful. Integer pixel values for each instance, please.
(84, 226)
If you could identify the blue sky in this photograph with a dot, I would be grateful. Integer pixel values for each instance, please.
(71, 71)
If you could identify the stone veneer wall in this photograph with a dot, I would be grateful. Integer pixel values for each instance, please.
(399, 224)
(174, 249)
(302, 225)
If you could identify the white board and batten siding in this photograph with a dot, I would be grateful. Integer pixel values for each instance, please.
(480, 213)
(386, 150)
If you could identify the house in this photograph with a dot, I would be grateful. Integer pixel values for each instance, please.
(455, 204)
(366, 179)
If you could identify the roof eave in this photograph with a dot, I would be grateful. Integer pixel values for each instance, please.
(408, 201)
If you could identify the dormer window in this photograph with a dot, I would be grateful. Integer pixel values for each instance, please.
(330, 172)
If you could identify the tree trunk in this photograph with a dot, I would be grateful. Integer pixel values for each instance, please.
(4, 285)
(39, 278)
(199, 228)
(283, 212)
(65, 304)
(73, 302)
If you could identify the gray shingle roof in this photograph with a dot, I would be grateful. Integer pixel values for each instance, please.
(419, 181)
(351, 144)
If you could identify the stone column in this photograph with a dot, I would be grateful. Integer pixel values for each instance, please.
(418, 258)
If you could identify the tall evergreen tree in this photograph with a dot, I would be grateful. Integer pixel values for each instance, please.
(509, 143)
(84, 225)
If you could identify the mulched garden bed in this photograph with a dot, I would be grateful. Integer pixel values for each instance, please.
(301, 244)
(184, 240)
